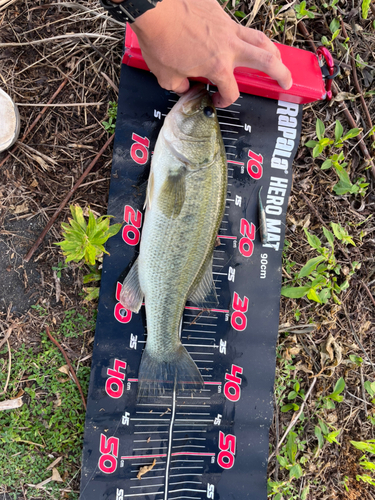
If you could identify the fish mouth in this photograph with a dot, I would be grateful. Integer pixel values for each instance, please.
(190, 103)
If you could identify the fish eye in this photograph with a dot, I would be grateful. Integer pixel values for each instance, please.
(209, 112)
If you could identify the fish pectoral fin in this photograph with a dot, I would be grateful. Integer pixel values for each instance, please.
(150, 190)
(131, 295)
(204, 292)
(172, 195)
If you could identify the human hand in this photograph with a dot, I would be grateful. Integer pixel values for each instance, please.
(192, 38)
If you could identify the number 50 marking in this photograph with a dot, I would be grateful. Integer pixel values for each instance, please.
(109, 452)
(227, 446)
(246, 246)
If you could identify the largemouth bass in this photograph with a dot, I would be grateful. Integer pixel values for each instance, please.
(185, 203)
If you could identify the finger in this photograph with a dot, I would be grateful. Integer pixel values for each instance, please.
(179, 85)
(182, 87)
(262, 60)
(228, 91)
(258, 39)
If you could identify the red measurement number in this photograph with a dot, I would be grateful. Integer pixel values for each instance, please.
(109, 452)
(139, 149)
(227, 446)
(238, 319)
(232, 389)
(130, 232)
(122, 318)
(114, 385)
(255, 165)
(246, 246)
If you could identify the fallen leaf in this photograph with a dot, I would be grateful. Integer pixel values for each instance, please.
(34, 184)
(19, 209)
(64, 369)
(330, 354)
(146, 468)
(56, 476)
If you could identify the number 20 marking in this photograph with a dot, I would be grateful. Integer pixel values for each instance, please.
(130, 232)
(246, 245)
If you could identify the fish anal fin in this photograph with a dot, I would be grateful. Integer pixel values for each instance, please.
(131, 295)
(172, 195)
(203, 292)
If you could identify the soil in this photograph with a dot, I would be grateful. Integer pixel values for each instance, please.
(36, 177)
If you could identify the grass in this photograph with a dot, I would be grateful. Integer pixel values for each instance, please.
(51, 422)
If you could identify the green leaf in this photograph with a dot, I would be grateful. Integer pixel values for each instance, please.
(339, 386)
(90, 254)
(240, 14)
(368, 446)
(291, 447)
(289, 406)
(294, 292)
(311, 144)
(92, 293)
(370, 387)
(331, 437)
(95, 276)
(326, 164)
(365, 8)
(325, 295)
(292, 395)
(77, 215)
(352, 133)
(305, 492)
(282, 461)
(335, 25)
(313, 240)
(338, 131)
(335, 34)
(329, 236)
(319, 436)
(295, 471)
(112, 230)
(310, 266)
(323, 427)
(312, 295)
(356, 360)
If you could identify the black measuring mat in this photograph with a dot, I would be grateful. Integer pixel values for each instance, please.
(212, 444)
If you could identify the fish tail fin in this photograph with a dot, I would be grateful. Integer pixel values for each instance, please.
(157, 377)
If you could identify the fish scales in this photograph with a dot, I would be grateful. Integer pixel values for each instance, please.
(185, 204)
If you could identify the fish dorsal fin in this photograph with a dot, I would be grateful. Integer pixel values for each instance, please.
(172, 195)
(204, 293)
(131, 295)
(150, 190)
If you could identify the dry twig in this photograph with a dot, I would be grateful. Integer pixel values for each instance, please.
(69, 364)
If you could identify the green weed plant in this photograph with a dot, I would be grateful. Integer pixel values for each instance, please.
(110, 125)
(335, 157)
(84, 242)
(318, 278)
